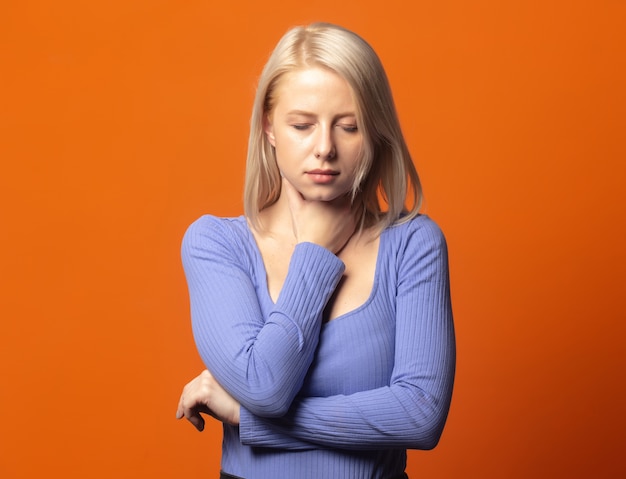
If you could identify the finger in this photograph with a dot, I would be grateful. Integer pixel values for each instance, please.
(197, 420)
(188, 391)
(180, 410)
(192, 414)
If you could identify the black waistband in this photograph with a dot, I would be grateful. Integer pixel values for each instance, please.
(224, 475)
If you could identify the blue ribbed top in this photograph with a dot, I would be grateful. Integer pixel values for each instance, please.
(342, 399)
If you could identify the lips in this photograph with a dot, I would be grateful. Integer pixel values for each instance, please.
(322, 177)
(323, 172)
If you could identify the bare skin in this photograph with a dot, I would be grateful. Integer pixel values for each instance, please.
(204, 395)
(305, 221)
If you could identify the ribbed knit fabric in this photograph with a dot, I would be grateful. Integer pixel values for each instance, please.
(344, 399)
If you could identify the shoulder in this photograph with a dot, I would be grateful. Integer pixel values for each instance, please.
(213, 233)
(211, 225)
(418, 248)
(420, 231)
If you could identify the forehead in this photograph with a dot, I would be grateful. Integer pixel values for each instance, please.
(314, 89)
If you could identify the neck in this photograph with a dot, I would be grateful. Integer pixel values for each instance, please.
(275, 220)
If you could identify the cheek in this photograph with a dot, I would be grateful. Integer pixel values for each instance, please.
(289, 149)
(356, 157)
(284, 161)
(358, 169)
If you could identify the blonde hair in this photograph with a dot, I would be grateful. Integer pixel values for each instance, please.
(386, 171)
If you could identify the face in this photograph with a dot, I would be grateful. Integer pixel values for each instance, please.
(314, 131)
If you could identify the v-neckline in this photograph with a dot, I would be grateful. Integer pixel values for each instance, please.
(265, 283)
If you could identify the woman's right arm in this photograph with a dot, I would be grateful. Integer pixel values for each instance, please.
(260, 360)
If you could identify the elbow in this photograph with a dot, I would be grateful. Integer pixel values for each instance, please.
(271, 403)
(267, 410)
(425, 438)
(428, 422)
(270, 395)
(430, 440)
(429, 435)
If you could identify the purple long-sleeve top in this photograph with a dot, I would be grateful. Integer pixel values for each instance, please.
(342, 399)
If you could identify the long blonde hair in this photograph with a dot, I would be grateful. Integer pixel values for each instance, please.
(386, 172)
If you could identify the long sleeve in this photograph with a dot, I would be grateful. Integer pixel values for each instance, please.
(260, 357)
(411, 411)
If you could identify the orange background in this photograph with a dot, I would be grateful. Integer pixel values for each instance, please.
(123, 121)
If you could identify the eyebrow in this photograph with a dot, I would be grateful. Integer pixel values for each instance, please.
(309, 114)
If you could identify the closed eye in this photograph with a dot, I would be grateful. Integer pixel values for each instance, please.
(301, 126)
(349, 128)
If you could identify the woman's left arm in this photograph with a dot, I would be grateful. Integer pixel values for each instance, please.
(412, 410)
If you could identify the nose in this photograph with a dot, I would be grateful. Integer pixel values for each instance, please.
(325, 144)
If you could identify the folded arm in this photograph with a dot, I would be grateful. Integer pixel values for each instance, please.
(411, 411)
(260, 359)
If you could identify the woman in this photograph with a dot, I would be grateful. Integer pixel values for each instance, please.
(323, 315)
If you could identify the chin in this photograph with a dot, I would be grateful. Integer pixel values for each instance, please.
(323, 195)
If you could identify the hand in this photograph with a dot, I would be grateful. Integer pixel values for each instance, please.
(327, 223)
(205, 395)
